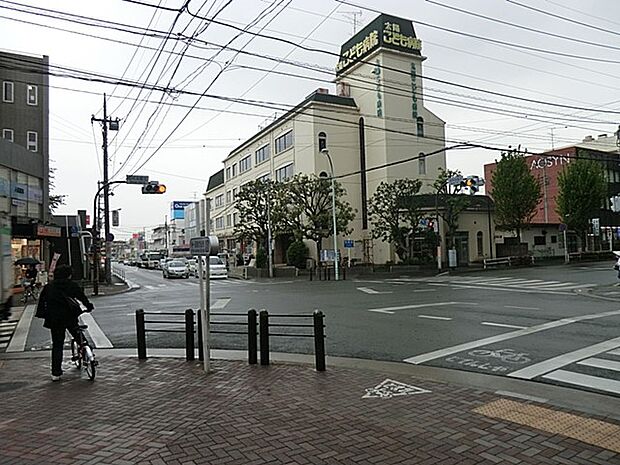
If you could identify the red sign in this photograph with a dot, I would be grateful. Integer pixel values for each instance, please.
(87, 219)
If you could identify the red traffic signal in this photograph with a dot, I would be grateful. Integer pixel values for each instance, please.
(153, 188)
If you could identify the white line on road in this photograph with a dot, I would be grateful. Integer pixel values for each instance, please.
(615, 352)
(504, 337)
(431, 317)
(521, 308)
(424, 290)
(502, 325)
(18, 341)
(551, 364)
(594, 382)
(96, 334)
(601, 363)
(368, 290)
(220, 303)
(390, 310)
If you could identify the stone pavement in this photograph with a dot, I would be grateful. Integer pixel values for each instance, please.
(168, 411)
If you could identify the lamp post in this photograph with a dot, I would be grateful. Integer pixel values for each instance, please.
(331, 167)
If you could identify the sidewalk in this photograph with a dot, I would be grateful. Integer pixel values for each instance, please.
(168, 411)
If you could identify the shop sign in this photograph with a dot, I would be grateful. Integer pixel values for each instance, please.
(377, 73)
(48, 231)
(385, 31)
(19, 203)
(414, 91)
(548, 162)
(35, 194)
(5, 187)
(19, 191)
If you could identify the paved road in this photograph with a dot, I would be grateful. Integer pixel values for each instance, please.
(523, 323)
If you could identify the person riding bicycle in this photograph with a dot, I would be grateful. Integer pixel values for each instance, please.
(60, 316)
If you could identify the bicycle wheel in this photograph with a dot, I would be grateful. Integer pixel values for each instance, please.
(90, 363)
(75, 354)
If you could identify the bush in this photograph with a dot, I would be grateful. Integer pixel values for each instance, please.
(296, 254)
(261, 258)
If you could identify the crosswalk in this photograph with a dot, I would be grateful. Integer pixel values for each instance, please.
(214, 283)
(7, 328)
(505, 283)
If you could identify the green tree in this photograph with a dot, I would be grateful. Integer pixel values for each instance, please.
(451, 202)
(395, 212)
(258, 203)
(309, 205)
(296, 254)
(516, 193)
(582, 190)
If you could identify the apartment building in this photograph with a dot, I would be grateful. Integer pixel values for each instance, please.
(375, 127)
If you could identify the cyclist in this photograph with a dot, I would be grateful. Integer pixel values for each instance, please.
(60, 316)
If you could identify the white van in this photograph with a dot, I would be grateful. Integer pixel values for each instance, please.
(217, 268)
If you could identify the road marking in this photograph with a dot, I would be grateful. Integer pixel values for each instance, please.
(601, 363)
(368, 290)
(521, 308)
(390, 310)
(502, 325)
(431, 317)
(96, 334)
(18, 341)
(540, 400)
(594, 382)
(504, 337)
(504, 289)
(220, 303)
(551, 364)
(148, 286)
(424, 290)
(615, 352)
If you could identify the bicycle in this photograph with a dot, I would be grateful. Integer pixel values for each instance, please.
(30, 291)
(82, 354)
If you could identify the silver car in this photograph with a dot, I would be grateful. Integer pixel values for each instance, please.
(176, 269)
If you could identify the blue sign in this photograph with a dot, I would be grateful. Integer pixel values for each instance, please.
(348, 243)
(177, 209)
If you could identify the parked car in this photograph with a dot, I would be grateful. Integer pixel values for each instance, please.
(176, 269)
(217, 268)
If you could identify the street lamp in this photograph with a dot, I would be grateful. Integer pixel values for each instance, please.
(331, 167)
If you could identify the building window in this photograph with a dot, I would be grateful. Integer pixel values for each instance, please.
(479, 243)
(322, 141)
(228, 220)
(284, 142)
(421, 163)
(8, 91)
(227, 173)
(31, 142)
(263, 154)
(219, 200)
(264, 177)
(245, 164)
(540, 240)
(219, 222)
(554, 239)
(420, 126)
(8, 134)
(234, 170)
(234, 194)
(228, 197)
(284, 173)
(32, 92)
(235, 219)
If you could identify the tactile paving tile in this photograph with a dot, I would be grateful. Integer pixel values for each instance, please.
(596, 432)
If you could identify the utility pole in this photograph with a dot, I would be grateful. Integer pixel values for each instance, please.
(113, 126)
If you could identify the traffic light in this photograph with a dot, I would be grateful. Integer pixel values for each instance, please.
(153, 187)
(474, 183)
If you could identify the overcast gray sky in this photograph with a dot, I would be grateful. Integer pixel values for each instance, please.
(580, 70)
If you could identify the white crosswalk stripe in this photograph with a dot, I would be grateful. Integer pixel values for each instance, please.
(7, 328)
(506, 283)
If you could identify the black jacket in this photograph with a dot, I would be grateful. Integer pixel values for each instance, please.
(53, 304)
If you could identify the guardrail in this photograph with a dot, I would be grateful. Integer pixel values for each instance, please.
(192, 324)
(119, 273)
(324, 272)
(510, 261)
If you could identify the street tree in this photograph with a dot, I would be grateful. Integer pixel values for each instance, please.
(258, 204)
(582, 190)
(516, 193)
(395, 213)
(308, 200)
(453, 201)
(54, 200)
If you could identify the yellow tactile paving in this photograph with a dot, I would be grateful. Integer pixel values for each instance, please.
(596, 432)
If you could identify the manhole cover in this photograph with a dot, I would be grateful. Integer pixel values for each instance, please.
(5, 387)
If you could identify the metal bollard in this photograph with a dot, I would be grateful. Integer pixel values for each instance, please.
(252, 338)
(141, 334)
(201, 356)
(264, 337)
(189, 335)
(319, 340)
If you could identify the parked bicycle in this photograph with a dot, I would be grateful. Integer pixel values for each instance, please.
(82, 353)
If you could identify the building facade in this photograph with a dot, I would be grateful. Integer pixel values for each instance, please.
(375, 127)
(545, 236)
(24, 151)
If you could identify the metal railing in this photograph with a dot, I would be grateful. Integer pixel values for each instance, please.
(324, 272)
(192, 324)
(119, 273)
